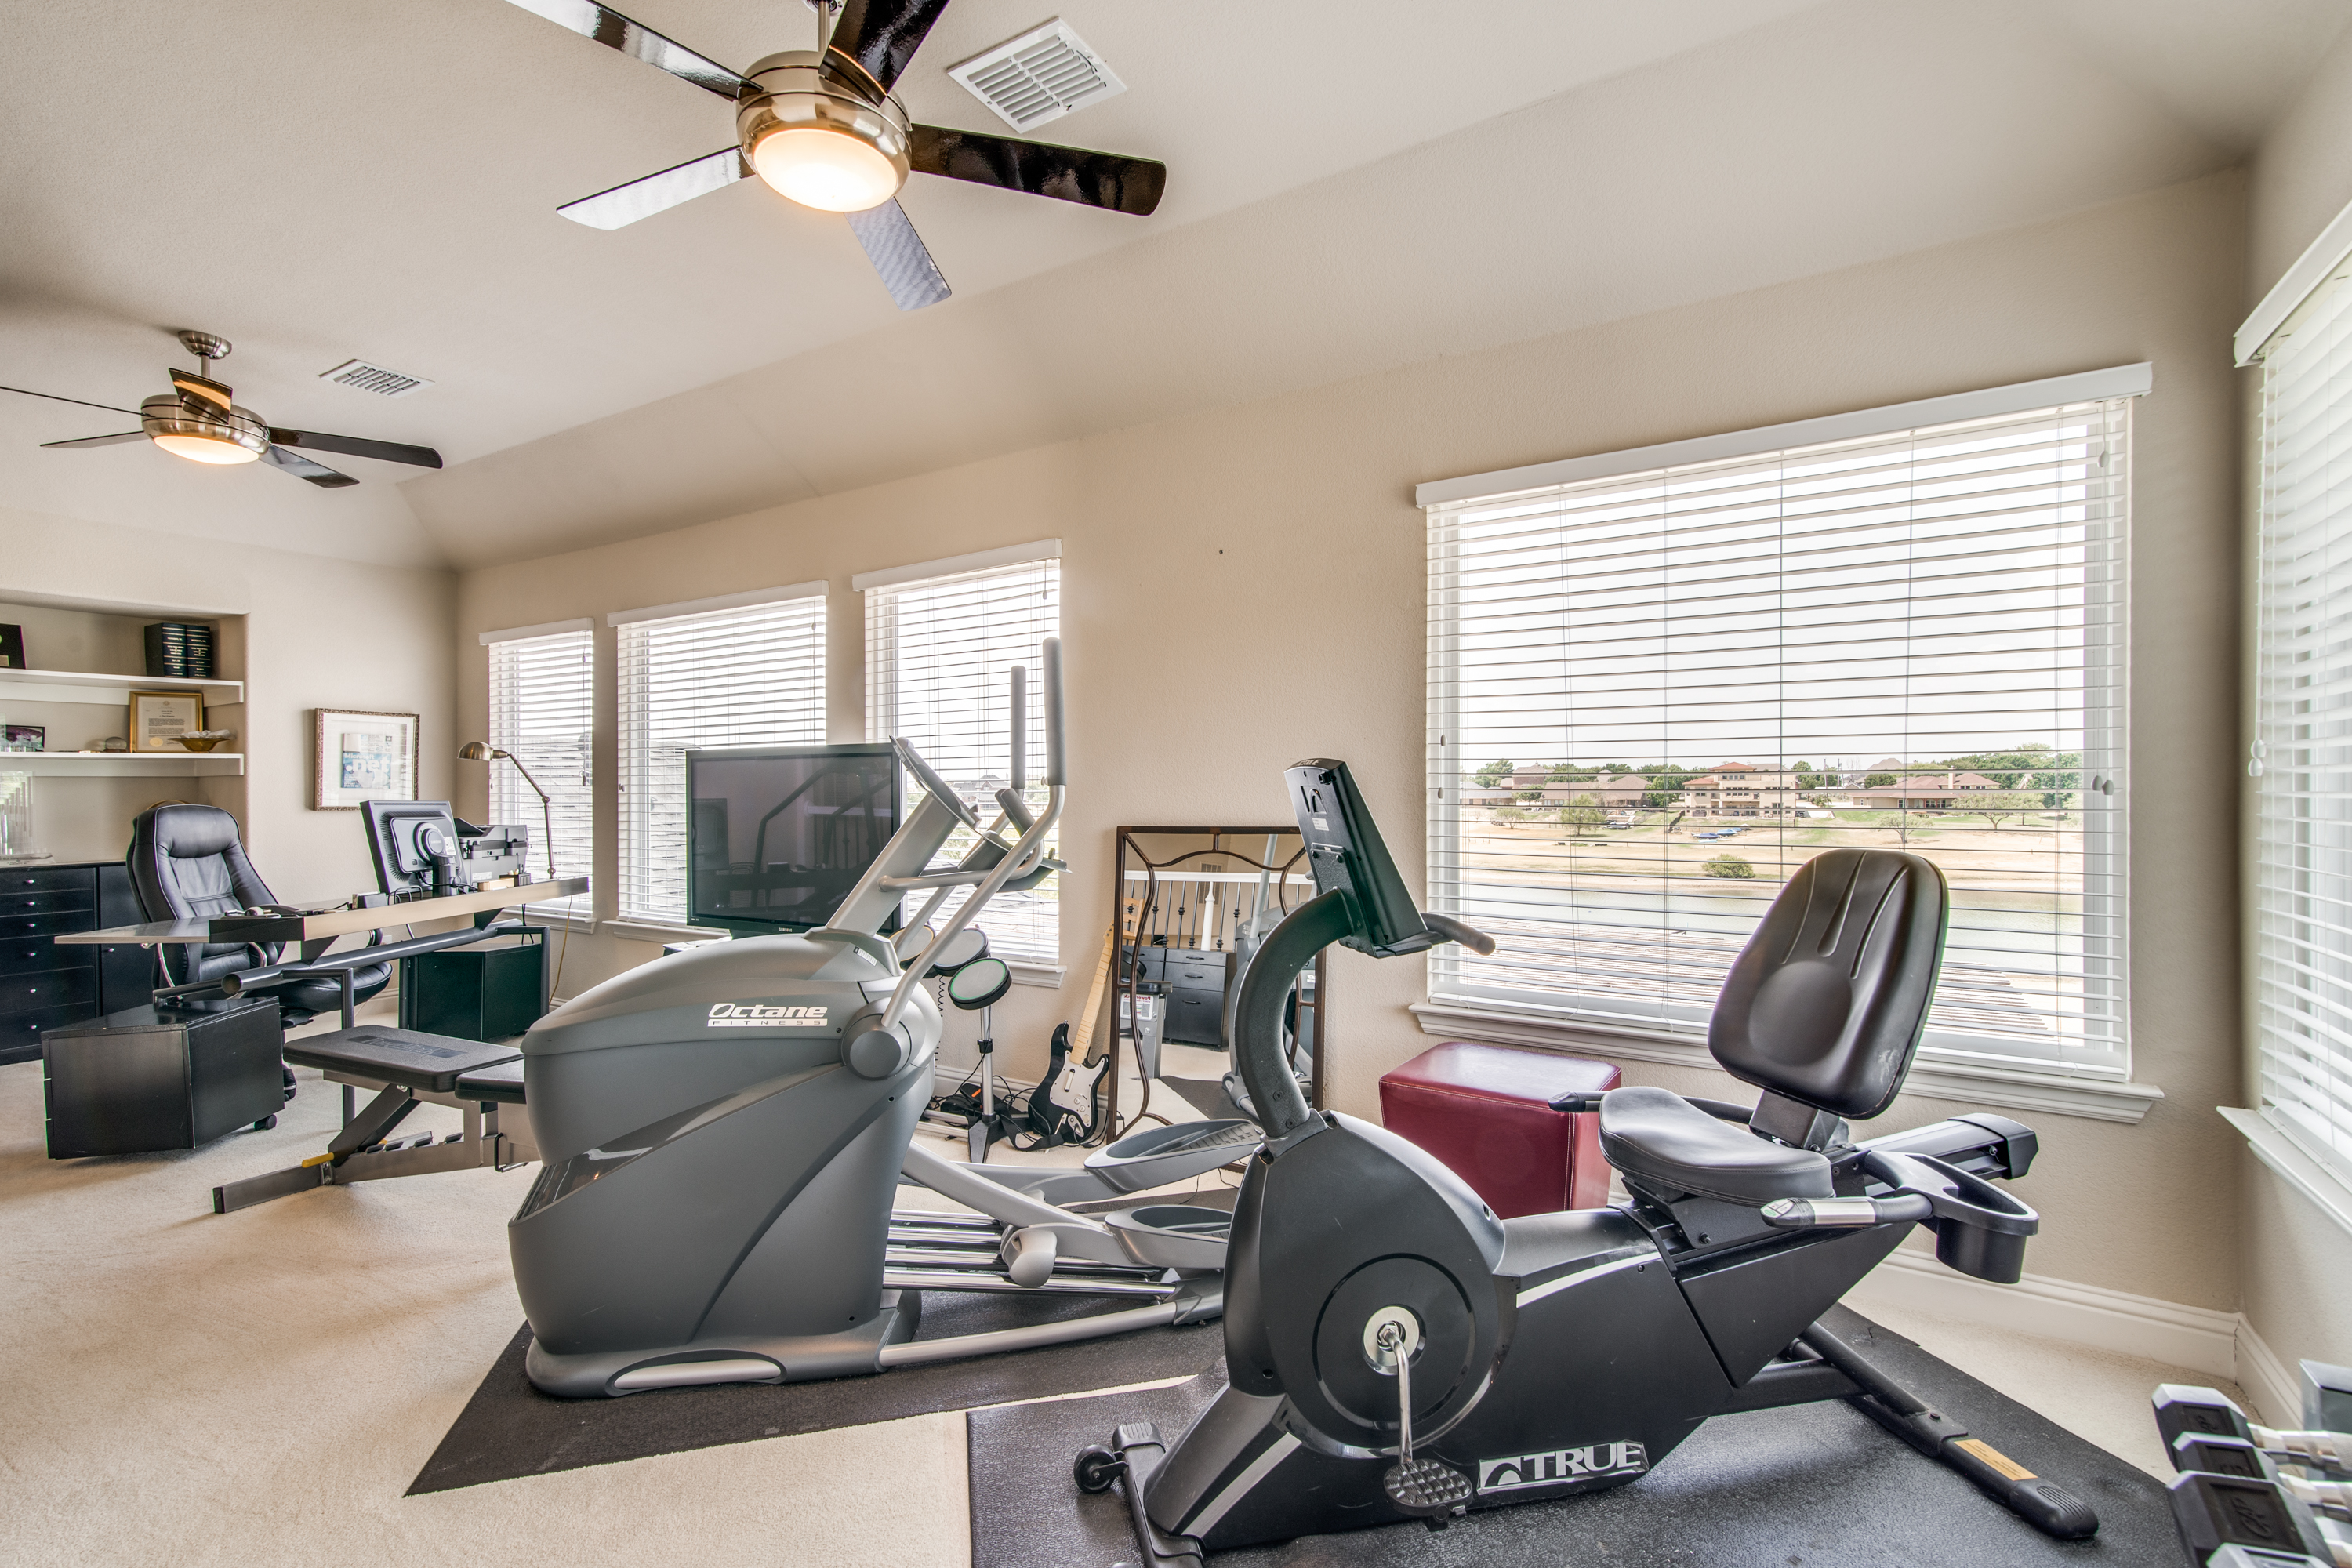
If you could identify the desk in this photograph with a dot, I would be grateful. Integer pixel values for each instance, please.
(324, 925)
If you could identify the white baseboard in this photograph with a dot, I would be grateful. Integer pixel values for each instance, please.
(2199, 1338)
(2194, 1337)
(2275, 1393)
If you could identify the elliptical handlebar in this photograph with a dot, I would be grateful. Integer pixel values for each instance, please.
(1056, 773)
(933, 785)
(1027, 851)
(1020, 728)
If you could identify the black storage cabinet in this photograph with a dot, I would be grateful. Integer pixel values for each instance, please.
(1194, 981)
(492, 990)
(44, 986)
(142, 1080)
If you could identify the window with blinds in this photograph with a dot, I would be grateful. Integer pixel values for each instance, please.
(742, 676)
(1653, 695)
(939, 657)
(2302, 763)
(542, 693)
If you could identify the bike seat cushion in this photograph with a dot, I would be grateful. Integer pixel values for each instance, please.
(1660, 1138)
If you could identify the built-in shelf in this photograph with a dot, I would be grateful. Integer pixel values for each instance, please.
(123, 764)
(78, 686)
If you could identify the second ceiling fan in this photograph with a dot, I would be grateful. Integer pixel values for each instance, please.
(820, 126)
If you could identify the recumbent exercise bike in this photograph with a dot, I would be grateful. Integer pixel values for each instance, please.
(1394, 1351)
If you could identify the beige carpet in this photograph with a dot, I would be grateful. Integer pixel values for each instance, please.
(259, 1388)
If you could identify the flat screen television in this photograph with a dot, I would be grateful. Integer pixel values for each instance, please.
(777, 835)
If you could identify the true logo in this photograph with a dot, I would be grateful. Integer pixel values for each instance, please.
(762, 1016)
(1561, 1466)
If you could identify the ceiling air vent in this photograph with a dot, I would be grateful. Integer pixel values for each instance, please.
(1040, 76)
(374, 378)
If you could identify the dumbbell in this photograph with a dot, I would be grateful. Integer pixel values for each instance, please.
(2183, 1411)
(2235, 1456)
(2237, 1522)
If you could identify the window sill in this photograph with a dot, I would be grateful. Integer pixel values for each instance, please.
(659, 931)
(554, 919)
(2298, 1170)
(2098, 1100)
(1047, 976)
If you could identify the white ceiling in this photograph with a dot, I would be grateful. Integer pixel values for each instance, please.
(1354, 184)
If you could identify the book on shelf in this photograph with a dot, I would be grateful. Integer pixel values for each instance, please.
(179, 650)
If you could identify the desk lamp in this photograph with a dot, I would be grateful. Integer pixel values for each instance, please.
(482, 752)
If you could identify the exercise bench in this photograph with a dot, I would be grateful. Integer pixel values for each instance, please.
(404, 1068)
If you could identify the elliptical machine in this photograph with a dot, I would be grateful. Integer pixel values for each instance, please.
(1394, 1351)
(724, 1131)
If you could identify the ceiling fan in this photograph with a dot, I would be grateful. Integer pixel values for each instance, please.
(822, 128)
(197, 420)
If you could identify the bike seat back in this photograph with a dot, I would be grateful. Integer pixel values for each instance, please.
(1826, 1002)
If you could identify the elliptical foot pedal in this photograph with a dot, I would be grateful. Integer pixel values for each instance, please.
(1430, 1492)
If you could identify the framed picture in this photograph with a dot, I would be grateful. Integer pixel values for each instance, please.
(12, 647)
(26, 738)
(363, 756)
(158, 719)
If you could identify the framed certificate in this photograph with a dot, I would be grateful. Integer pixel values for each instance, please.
(158, 719)
(361, 756)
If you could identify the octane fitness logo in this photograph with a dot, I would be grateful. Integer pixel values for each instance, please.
(761, 1015)
(1561, 1466)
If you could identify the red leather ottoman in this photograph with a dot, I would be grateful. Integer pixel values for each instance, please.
(1485, 1112)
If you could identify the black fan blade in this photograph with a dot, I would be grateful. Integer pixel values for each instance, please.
(614, 31)
(53, 398)
(302, 468)
(898, 255)
(880, 36)
(100, 440)
(1066, 173)
(624, 205)
(355, 447)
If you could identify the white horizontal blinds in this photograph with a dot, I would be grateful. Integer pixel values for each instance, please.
(1912, 640)
(2303, 751)
(745, 676)
(541, 711)
(939, 657)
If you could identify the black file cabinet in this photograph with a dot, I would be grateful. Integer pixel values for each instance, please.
(493, 990)
(145, 1079)
(44, 986)
(1194, 982)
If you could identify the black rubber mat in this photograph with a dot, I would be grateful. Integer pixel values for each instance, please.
(510, 1428)
(1816, 1486)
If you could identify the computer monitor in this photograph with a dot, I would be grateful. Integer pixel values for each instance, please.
(403, 838)
(777, 835)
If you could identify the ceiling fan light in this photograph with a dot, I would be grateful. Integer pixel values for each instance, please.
(825, 169)
(204, 448)
(812, 139)
(201, 433)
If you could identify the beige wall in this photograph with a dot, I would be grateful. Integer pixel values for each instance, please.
(316, 632)
(2297, 1262)
(1244, 587)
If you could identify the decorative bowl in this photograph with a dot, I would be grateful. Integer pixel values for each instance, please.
(203, 739)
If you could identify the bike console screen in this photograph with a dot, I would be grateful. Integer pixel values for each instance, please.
(1345, 852)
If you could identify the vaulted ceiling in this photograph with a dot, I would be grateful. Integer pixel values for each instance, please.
(1354, 184)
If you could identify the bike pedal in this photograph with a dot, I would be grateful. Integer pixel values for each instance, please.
(1427, 1489)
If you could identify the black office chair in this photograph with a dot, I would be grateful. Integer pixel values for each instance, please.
(186, 863)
